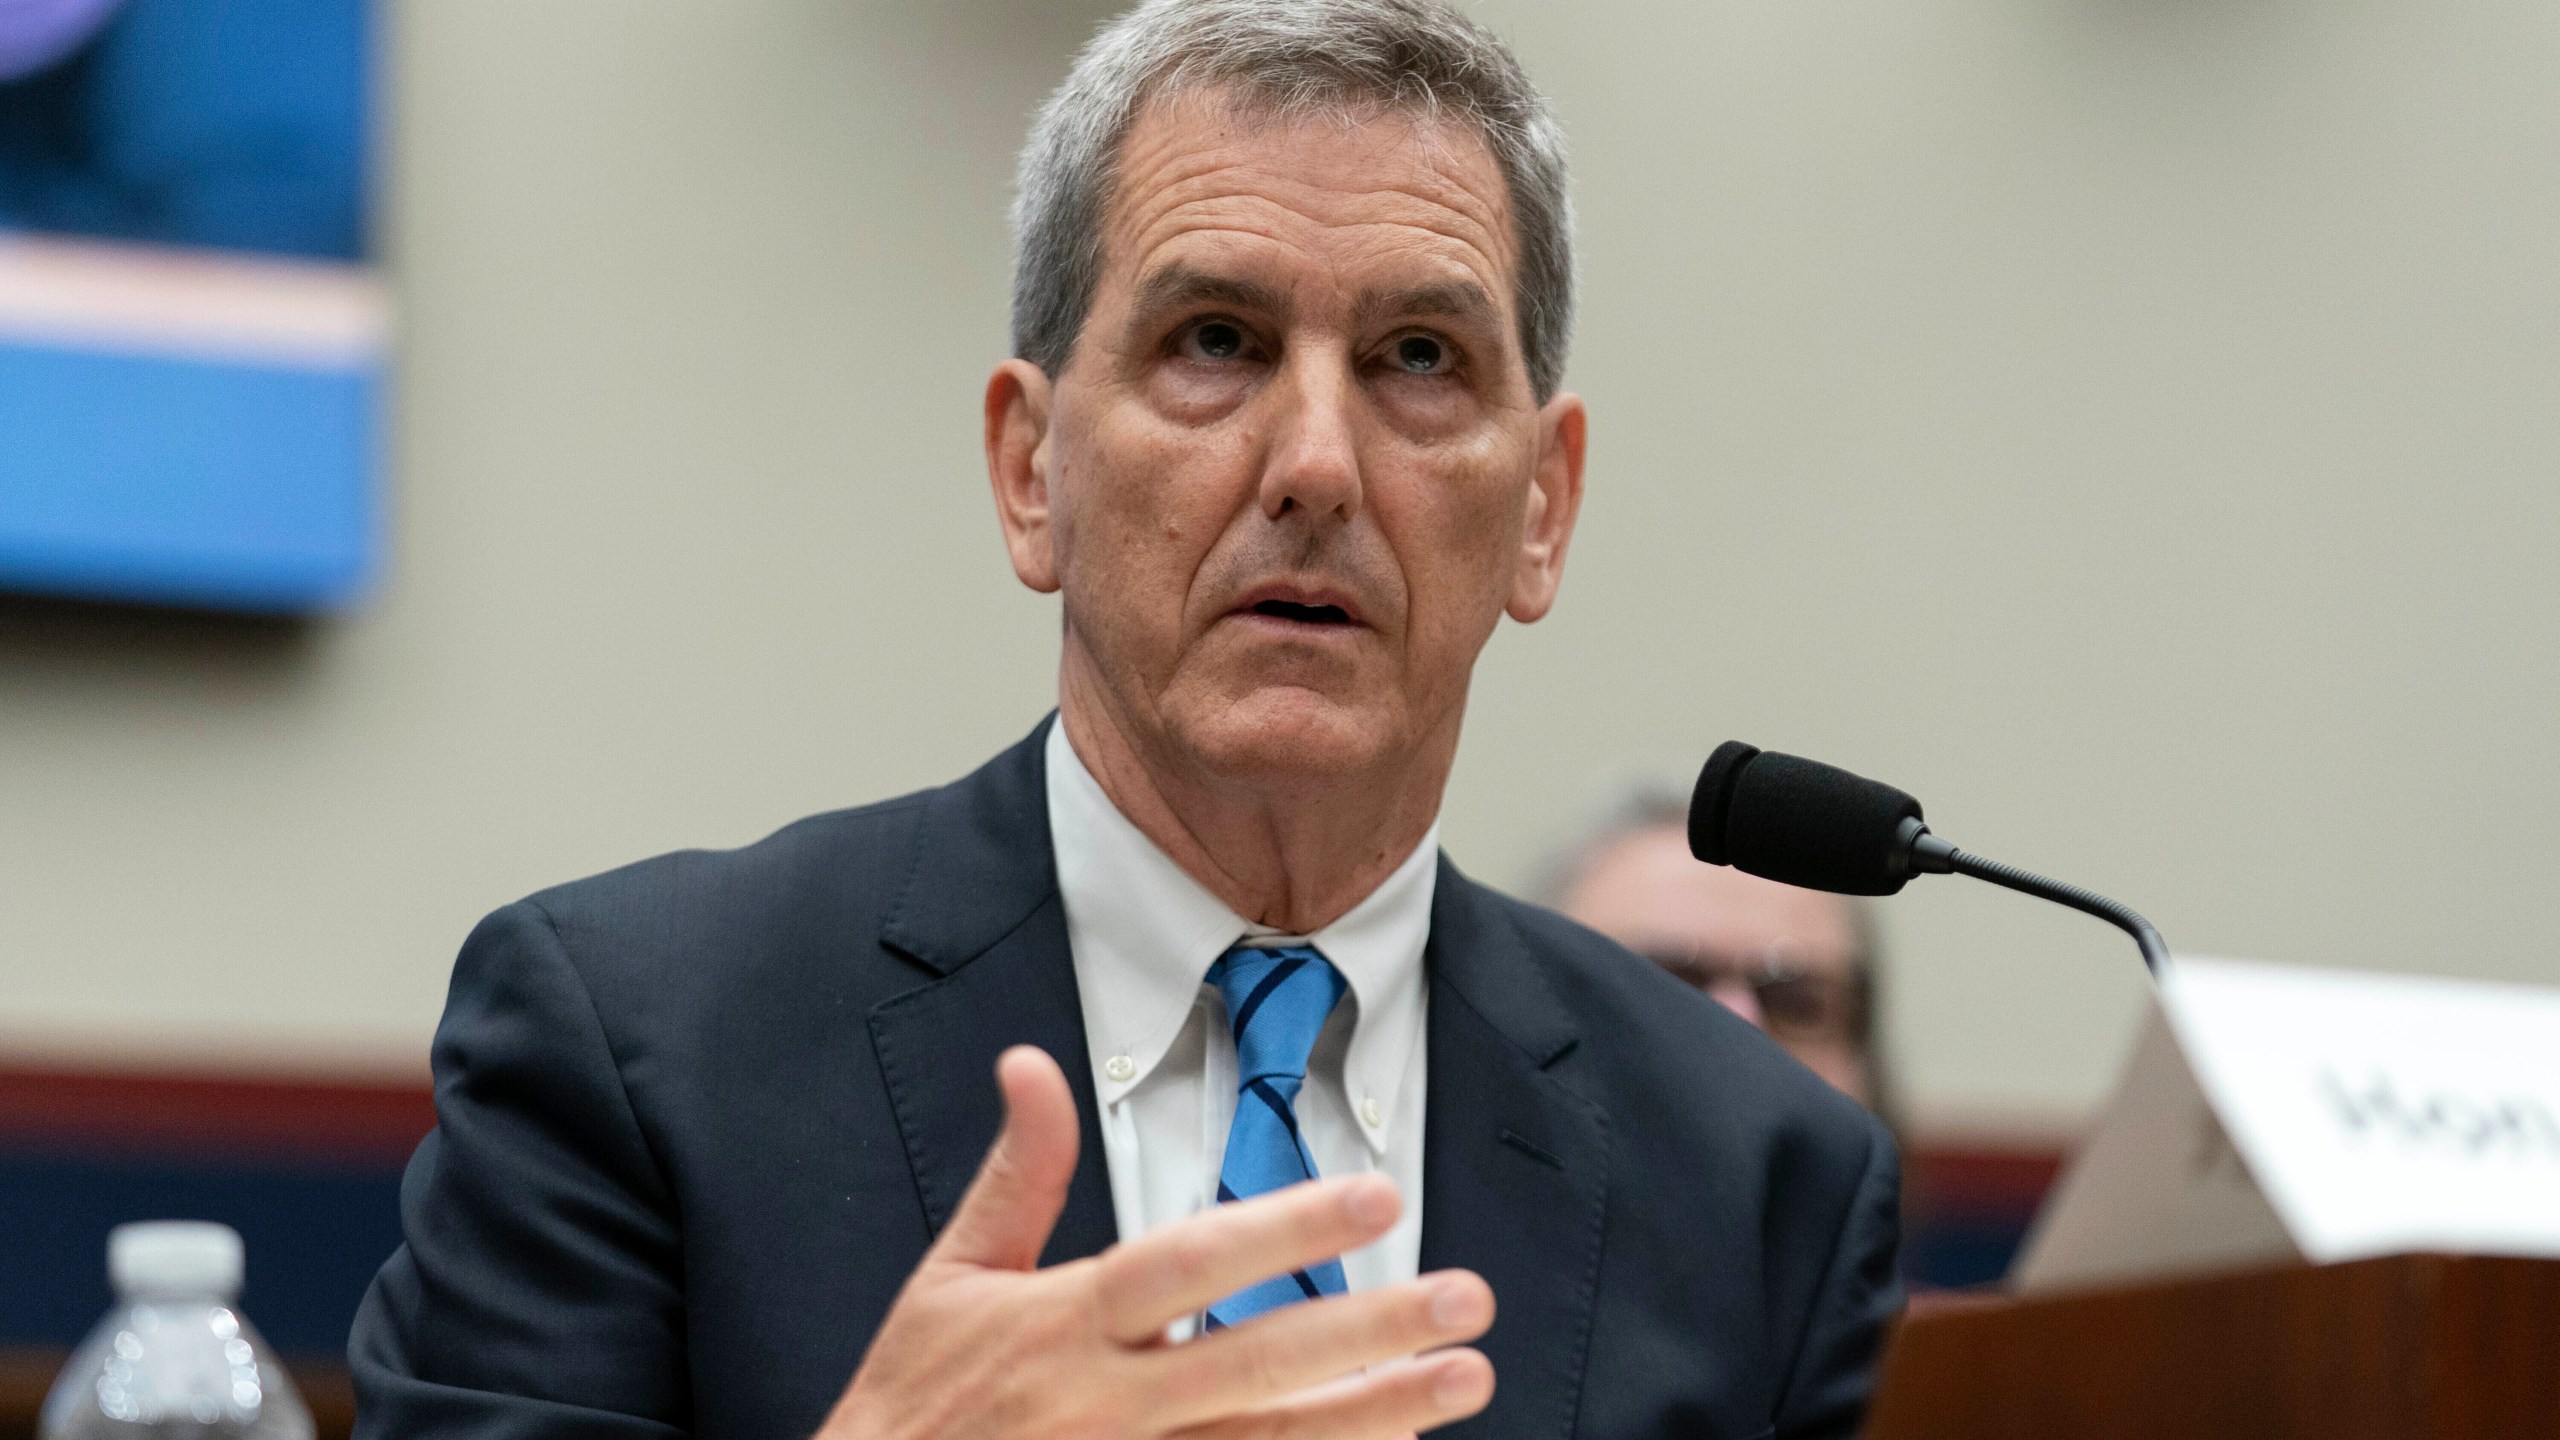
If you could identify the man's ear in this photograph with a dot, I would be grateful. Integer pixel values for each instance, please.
(1554, 500)
(1018, 397)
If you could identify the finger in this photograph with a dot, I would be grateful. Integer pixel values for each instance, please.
(1012, 1206)
(1148, 1283)
(1287, 1350)
(1432, 1390)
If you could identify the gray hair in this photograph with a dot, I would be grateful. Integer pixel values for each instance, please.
(1293, 58)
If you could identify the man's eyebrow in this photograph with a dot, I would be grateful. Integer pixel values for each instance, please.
(1454, 299)
(1178, 284)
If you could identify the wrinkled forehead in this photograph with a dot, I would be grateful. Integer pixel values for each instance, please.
(1367, 177)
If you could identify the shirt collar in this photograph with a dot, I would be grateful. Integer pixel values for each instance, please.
(1144, 934)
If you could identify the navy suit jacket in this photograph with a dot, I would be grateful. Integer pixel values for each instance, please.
(700, 1117)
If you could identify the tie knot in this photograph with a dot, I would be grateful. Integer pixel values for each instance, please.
(1277, 1000)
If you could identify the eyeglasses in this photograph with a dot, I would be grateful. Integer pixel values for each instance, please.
(1797, 1001)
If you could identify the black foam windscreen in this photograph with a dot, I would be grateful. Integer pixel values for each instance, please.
(1712, 801)
(1799, 822)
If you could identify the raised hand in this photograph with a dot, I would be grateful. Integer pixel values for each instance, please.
(982, 1344)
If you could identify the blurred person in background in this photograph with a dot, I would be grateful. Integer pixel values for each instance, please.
(1800, 964)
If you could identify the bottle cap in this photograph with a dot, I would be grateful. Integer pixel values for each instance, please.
(174, 1257)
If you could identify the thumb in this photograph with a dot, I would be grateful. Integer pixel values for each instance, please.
(1022, 1184)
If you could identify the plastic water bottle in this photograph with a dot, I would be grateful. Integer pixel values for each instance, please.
(174, 1357)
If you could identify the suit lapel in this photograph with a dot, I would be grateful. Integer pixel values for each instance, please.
(980, 912)
(1515, 1163)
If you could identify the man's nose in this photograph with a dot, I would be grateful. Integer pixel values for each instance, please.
(1314, 462)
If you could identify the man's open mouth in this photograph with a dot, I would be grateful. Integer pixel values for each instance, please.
(1303, 614)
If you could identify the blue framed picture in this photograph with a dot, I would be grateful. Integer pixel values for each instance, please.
(192, 338)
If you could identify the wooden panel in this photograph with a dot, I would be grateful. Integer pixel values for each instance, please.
(25, 1376)
(2407, 1348)
(2495, 1358)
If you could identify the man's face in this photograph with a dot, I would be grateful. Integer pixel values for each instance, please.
(1294, 472)
(1721, 929)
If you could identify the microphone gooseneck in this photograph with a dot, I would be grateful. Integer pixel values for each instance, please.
(1801, 822)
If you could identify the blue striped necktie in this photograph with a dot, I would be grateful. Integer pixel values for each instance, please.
(1277, 999)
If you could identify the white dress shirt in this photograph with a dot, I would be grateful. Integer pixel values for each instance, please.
(1144, 935)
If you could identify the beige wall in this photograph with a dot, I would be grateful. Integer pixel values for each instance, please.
(2128, 423)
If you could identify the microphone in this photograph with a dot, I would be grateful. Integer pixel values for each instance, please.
(1801, 822)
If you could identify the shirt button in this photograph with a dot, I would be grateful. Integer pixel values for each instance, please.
(1119, 1067)
(1370, 1114)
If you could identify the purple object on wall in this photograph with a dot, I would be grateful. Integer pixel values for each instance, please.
(35, 33)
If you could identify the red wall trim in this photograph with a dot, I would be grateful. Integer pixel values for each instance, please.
(1958, 1179)
(354, 1124)
(215, 1118)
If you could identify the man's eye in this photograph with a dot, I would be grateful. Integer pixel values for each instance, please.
(1213, 340)
(1421, 355)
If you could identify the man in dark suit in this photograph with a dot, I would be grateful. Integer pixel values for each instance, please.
(1286, 1111)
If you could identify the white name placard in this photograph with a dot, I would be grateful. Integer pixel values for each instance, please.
(2272, 1112)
